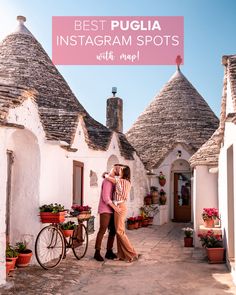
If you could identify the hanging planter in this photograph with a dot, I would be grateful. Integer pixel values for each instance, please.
(162, 199)
(162, 179)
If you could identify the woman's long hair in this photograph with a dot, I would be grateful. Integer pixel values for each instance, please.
(126, 174)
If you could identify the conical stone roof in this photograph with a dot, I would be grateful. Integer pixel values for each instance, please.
(178, 114)
(26, 70)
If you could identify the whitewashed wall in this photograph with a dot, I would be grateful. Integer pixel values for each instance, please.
(42, 174)
(166, 168)
(3, 180)
(205, 195)
(224, 203)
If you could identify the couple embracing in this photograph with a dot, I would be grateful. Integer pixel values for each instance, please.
(112, 209)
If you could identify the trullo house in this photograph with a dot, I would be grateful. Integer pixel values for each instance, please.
(51, 149)
(171, 129)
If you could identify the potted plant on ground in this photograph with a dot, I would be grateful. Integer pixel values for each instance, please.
(52, 213)
(209, 215)
(9, 266)
(214, 246)
(131, 223)
(162, 199)
(25, 254)
(148, 213)
(11, 255)
(162, 179)
(68, 228)
(188, 239)
(140, 220)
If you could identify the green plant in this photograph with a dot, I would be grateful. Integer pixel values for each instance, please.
(70, 225)
(53, 208)
(11, 252)
(188, 231)
(211, 240)
(161, 176)
(21, 247)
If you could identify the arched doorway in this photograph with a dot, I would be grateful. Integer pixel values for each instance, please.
(111, 161)
(22, 186)
(181, 173)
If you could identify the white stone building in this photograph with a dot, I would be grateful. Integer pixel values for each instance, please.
(51, 150)
(215, 167)
(171, 129)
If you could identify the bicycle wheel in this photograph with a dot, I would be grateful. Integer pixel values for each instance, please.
(49, 247)
(80, 241)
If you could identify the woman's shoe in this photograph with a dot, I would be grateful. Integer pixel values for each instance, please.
(110, 255)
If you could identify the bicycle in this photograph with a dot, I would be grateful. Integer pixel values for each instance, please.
(51, 244)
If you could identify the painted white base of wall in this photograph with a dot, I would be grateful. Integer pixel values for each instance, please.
(2, 259)
(162, 216)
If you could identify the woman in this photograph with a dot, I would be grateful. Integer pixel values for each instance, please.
(125, 250)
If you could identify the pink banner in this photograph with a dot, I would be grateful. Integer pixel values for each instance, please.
(113, 40)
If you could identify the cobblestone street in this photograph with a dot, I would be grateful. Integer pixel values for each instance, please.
(165, 267)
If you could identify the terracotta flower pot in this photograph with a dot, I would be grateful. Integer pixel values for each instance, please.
(155, 198)
(215, 255)
(188, 242)
(162, 200)
(145, 222)
(130, 226)
(9, 266)
(13, 259)
(162, 181)
(48, 217)
(24, 259)
(209, 223)
(67, 232)
(136, 224)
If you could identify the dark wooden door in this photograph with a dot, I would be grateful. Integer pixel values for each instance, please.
(182, 196)
(78, 182)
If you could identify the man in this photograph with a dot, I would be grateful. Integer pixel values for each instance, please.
(105, 209)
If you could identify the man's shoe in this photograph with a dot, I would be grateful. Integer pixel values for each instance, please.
(98, 256)
(110, 255)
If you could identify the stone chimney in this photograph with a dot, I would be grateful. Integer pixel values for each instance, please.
(115, 112)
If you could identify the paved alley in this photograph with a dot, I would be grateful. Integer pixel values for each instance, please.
(165, 267)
